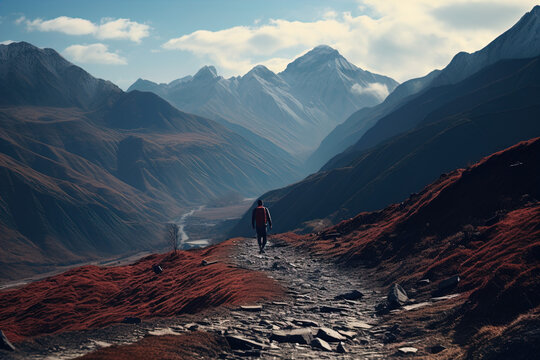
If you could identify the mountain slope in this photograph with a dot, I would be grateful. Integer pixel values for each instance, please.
(520, 41)
(501, 107)
(481, 223)
(294, 109)
(99, 177)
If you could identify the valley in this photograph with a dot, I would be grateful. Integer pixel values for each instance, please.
(405, 217)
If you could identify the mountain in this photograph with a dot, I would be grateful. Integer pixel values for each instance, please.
(520, 41)
(459, 124)
(90, 171)
(294, 109)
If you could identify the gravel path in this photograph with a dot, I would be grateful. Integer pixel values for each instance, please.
(308, 320)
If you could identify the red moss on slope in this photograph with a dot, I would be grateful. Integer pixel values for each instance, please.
(482, 223)
(92, 296)
(193, 345)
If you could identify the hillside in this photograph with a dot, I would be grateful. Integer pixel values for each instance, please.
(481, 223)
(455, 125)
(90, 296)
(364, 128)
(99, 177)
(294, 109)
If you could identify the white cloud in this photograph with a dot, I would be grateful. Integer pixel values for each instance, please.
(378, 90)
(402, 39)
(93, 54)
(6, 42)
(107, 29)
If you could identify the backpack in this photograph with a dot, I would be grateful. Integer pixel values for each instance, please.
(260, 216)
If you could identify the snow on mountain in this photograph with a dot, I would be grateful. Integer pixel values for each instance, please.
(294, 109)
(521, 41)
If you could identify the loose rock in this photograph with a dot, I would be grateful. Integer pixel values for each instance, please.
(330, 335)
(397, 296)
(241, 343)
(299, 336)
(341, 348)
(321, 344)
(351, 295)
(5, 344)
(408, 350)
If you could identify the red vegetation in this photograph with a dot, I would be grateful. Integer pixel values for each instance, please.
(482, 223)
(190, 345)
(92, 296)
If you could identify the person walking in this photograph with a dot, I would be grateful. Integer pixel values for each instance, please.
(260, 219)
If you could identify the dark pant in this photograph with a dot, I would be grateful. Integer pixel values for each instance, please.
(261, 236)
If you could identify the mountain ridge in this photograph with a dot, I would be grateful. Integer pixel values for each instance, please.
(284, 108)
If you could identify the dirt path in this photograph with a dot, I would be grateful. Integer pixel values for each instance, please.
(312, 286)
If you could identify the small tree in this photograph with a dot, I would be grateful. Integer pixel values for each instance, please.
(172, 236)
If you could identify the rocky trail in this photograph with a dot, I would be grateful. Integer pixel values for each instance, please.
(327, 313)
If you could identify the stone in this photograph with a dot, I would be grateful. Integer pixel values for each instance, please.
(237, 342)
(341, 348)
(408, 350)
(251, 308)
(278, 266)
(330, 335)
(321, 344)
(358, 325)
(298, 336)
(305, 322)
(206, 262)
(131, 320)
(5, 344)
(437, 349)
(397, 296)
(351, 295)
(449, 284)
(191, 326)
(423, 282)
(347, 334)
(329, 309)
(157, 269)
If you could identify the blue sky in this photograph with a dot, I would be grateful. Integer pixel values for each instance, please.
(164, 40)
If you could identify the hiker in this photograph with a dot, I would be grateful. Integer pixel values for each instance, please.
(260, 218)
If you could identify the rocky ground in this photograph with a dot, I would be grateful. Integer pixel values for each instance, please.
(328, 312)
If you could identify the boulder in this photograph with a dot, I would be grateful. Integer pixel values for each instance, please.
(299, 336)
(321, 344)
(5, 344)
(351, 295)
(237, 342)
(397, 296)
(330, 335)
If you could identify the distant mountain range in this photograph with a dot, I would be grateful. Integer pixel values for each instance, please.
(294, 109)
(439, 129)
(519, 42)
(89, 171)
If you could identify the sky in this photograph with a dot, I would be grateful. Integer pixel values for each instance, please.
(163, 40)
